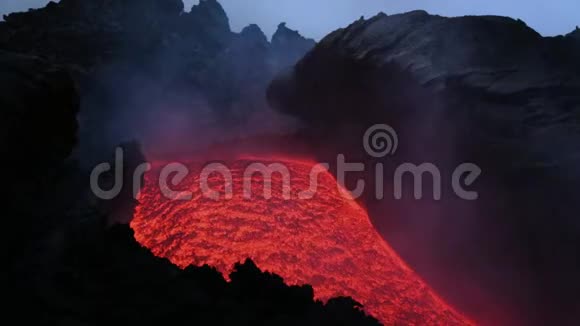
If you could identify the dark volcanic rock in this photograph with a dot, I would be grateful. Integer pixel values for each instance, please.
(575, 34)
(575, 37)
(137, 61)
(495, 55)
(254, 34)
(39, 105)
(89, 32)
(207, 19)
(289, 46)
(487, 90)
(105, 277)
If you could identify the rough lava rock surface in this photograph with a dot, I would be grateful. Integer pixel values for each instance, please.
(496, 55)
(482, 89)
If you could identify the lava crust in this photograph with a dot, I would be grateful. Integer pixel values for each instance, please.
(327, 241)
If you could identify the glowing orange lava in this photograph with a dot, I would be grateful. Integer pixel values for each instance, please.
(327, 241)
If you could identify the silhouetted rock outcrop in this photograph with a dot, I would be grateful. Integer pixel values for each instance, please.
(38, 122)
(488, 90)
(39, 105)
(207, 19)
(38, 127)
(575, 37)
(289, 46)
(106, 277)
(146, 57)
(89, 33)
(253, 34)
(496, 55)
(575, 34)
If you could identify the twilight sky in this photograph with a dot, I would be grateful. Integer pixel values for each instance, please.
(316, 18)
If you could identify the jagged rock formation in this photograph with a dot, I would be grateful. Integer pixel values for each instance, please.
(38, 106)
(488, 90)
(575, 34)
(288, 46)
(105, 277)
(575, 37)
(62, 263)
(208, 19)
(89, 32)
(149, 58)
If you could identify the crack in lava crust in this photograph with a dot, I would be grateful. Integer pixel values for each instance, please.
(327, 241)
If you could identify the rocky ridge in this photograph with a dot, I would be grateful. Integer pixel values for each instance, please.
(482, 89)
(132, 58)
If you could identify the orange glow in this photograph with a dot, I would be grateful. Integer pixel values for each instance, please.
(327, 241)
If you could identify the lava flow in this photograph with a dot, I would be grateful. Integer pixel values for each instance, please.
(327, 241)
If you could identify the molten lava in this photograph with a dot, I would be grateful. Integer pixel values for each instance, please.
(327, 241)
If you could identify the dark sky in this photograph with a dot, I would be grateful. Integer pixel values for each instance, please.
(316, 18)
